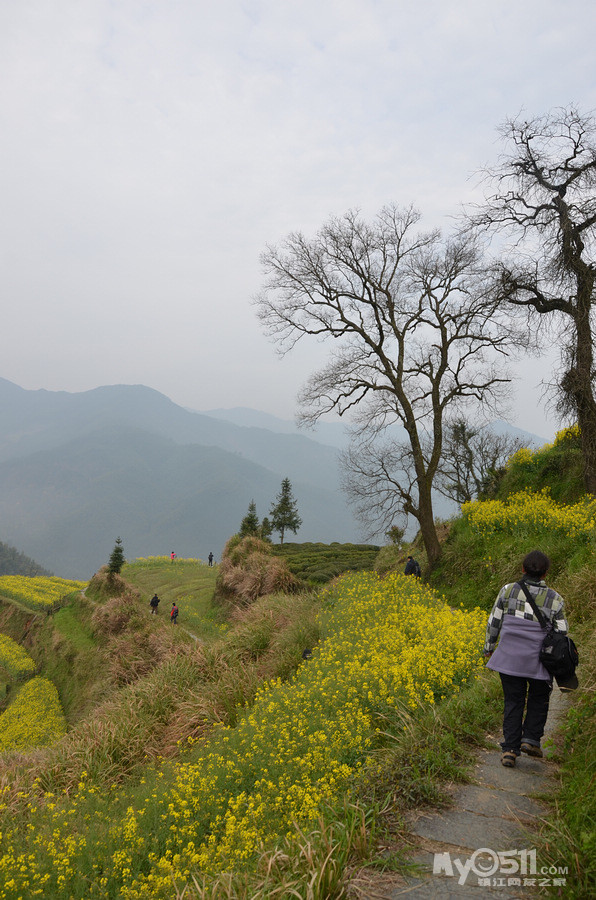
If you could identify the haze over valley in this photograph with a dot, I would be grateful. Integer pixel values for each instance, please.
(78, 470)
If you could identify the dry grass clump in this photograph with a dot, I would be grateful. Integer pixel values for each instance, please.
(247, 581)
(116, 614)
(104, 585)
(132, 656)
(249, 570)
(309, 865)
(279, 579)
(134, 642)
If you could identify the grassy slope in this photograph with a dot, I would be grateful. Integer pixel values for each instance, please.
(64, 649)
(188, 583)
(69, 655)
(72, 654)
(471, 572)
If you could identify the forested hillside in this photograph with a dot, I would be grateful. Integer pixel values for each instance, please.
(12, 562)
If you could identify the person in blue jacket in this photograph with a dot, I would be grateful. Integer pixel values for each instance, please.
(412, 567)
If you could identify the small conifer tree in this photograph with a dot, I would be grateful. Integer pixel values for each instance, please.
(116, 559)
(266, 529)
(284, 512)
(250, 523)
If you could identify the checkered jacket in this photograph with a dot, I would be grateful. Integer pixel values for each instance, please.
(512, 602)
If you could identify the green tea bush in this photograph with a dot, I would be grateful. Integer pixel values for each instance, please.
(318, 564)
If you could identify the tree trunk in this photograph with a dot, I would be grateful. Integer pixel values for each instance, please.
(587, 426)
(427, 526)
(580, 384)
(584, 402)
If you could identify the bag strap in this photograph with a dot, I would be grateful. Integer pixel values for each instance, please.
(539, 615)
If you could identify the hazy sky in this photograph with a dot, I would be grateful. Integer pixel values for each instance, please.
(151, 148)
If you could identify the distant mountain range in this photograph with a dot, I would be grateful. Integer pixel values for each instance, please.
(78, 470)
(336, 433)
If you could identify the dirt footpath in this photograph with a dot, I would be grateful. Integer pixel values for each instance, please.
(456, 848)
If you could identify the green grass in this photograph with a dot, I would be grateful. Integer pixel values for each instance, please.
(473, 567)
(188, 583)
(64, 647)
(74, 627)
(560, 468)
(568, 834)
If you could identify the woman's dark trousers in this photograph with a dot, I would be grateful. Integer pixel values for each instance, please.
(516, 728)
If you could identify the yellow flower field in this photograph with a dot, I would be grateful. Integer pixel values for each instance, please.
(388, 644)
(14, 659)
(34, 718)
(532, 512)
(39, 594)
(525, 456)
(141, 561)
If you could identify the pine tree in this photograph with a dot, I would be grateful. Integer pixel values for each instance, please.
(266, 529)
(284, 513)
(250, 523)
(116, 559)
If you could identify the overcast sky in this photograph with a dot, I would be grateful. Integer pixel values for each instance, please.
(151, 148)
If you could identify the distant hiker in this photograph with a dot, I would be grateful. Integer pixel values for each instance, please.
(412, 567)
(210, 558)
(154, 603)
(174, 614)
(172, 556)
(525, 681)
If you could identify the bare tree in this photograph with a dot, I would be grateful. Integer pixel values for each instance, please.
(473, 459)
(545, 200)
(414, 332)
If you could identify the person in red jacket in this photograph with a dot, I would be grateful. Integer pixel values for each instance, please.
(174, 614)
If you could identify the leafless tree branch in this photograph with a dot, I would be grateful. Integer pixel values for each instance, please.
(415, 332)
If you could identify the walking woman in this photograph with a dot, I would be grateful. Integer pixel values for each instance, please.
(526, 683)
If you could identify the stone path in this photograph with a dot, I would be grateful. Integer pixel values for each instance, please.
(496, 813)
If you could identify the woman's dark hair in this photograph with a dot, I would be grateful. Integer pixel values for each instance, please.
(536, 564)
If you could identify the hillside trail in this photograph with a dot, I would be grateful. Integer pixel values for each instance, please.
(195, 637)
(498, 811)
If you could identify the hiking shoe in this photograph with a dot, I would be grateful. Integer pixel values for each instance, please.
(531, 750)
(508, 759)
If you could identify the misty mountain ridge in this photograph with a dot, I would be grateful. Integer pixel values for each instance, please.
(336, 433)
(333, 433)
(79, 469)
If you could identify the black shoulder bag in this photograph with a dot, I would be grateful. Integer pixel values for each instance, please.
(558, 653)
